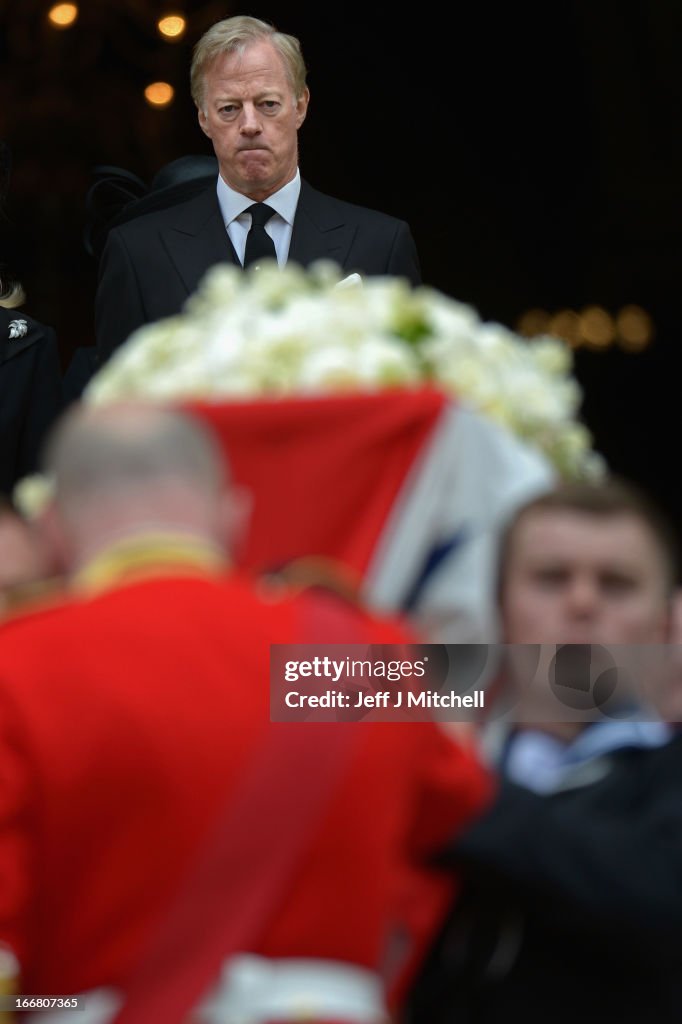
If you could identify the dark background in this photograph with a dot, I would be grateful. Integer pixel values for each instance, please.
(535, 150)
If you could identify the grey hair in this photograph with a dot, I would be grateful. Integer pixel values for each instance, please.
(234, 35)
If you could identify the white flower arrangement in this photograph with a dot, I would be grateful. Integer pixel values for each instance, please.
(272, 331)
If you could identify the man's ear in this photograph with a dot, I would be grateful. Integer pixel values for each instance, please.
(302, 107)
(236, 518)
(203, 122)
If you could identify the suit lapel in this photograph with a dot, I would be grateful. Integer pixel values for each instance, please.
(198, 239)
(320, 231)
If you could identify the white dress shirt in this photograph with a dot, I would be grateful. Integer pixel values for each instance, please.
(234, 207)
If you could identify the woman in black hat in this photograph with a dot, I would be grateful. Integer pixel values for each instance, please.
(116, 196)
(30, 373)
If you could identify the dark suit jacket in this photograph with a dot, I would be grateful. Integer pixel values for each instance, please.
(30, 394)
(572, 907)
(151, 264)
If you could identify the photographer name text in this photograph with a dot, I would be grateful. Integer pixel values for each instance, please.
(385, 699)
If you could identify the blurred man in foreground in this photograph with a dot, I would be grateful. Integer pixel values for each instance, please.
(573, 895)
(163, 847)
(25, 571)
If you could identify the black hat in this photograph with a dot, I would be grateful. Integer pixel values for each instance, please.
(118, 196)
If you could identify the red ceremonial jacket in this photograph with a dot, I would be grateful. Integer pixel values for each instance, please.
(126, 715)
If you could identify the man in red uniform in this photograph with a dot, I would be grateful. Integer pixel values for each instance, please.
(163, 846)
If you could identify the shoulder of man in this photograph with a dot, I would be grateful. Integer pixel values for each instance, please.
(39, 606)
(329, 606)
(312, 200)
(56, 622)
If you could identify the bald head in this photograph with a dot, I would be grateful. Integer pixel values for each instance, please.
(128, 468)
(127, 447)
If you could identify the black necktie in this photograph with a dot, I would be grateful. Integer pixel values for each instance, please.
(259, 245)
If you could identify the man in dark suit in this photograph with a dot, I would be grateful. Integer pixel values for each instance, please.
(572, 901)
(249, 85)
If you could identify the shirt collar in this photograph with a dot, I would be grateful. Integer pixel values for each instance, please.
(233, 204)
(602, 737)
(541, 762)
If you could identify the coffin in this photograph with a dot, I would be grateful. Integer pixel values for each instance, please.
(399, 493)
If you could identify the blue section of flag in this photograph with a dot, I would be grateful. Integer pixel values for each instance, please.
(438, 554)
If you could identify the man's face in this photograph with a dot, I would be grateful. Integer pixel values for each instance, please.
(20, 556)
(252, 118)
(577, 578)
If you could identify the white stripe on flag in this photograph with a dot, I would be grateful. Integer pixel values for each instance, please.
(470, 477)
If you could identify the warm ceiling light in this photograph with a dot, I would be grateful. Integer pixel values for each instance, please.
(159, 94)
(533, 322)
(171, 26)
(63, 15)
(635, 328)
(566, 325)
(597, 327)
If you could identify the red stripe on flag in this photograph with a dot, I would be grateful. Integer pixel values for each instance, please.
(325, 471)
